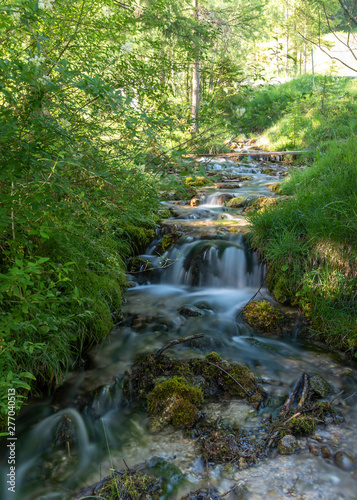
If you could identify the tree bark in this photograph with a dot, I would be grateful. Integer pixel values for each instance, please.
(195, 82)
(287, 45)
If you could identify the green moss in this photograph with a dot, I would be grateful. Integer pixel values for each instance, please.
(197, 181)
(260, 204)
(138, 236)
(269, 171)
(130, 486)
(184, 413)
(302, 425)
(244, 376)
(138, 264)
(276, 188)
(176, 386)
(214, 357)
(237, 202)
(164, 214)
(167, 241)
(263, 317)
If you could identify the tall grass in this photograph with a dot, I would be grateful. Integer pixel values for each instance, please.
(310, 243)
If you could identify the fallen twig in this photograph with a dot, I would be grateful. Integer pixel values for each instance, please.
(292, 396)
(232, 489)
(208, 481)
(252, 298)
(305, 390)
(343, 400)
(178, 341)
(229, 375)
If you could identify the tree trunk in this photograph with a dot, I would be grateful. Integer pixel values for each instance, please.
(287, 45)
(195, 82)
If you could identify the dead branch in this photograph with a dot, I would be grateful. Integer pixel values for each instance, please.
(208, 480)
(305, 390)
(232, 489)
(250, 300)
(326, 52)
(292, 395)
(178, 341)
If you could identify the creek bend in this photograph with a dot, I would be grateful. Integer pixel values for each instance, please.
(211, 270)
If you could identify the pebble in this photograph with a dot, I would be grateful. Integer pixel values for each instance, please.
(314, 450)
(325, 452)
(288, 444)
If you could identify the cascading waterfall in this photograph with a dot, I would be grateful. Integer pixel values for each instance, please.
(214, 263)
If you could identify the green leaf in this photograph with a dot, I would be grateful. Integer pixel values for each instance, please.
(41, 260)
(44, 329)
(28, 375)
(285, 267)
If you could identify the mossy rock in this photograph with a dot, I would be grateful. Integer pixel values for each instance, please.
(263, 317)
(197, 181)
(287, 445)
(237, 202)
(276, 187)
(167, 241)
(303, 425)
(260, 204)
(190, 311)
(227, 185)
(174, 401)
(319, 386)
(138, 264)
(212, 376)
(129, 486)
(139, 236)
(269, 171)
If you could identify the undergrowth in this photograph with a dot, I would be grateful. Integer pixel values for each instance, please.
(296, 114)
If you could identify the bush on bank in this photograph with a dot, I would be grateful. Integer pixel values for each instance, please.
(310, 243)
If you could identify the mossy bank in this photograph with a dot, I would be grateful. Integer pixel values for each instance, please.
(310, 241)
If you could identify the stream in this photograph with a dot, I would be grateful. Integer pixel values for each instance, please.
(211, 272)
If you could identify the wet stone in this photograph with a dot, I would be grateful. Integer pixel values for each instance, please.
(320, 386)
(195, 201)
(190, 311)
(314, 450)
(227, 185)
(343, 461)
(325, 452)
(223, 198)
(287, 445)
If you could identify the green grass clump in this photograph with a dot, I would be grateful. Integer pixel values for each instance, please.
(310, 242)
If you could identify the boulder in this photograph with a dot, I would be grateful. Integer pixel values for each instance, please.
(263, 317)
(319, 386)
(195, 201)
(190, 311)
(237, 202)
(343, 461)
(223, 198)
